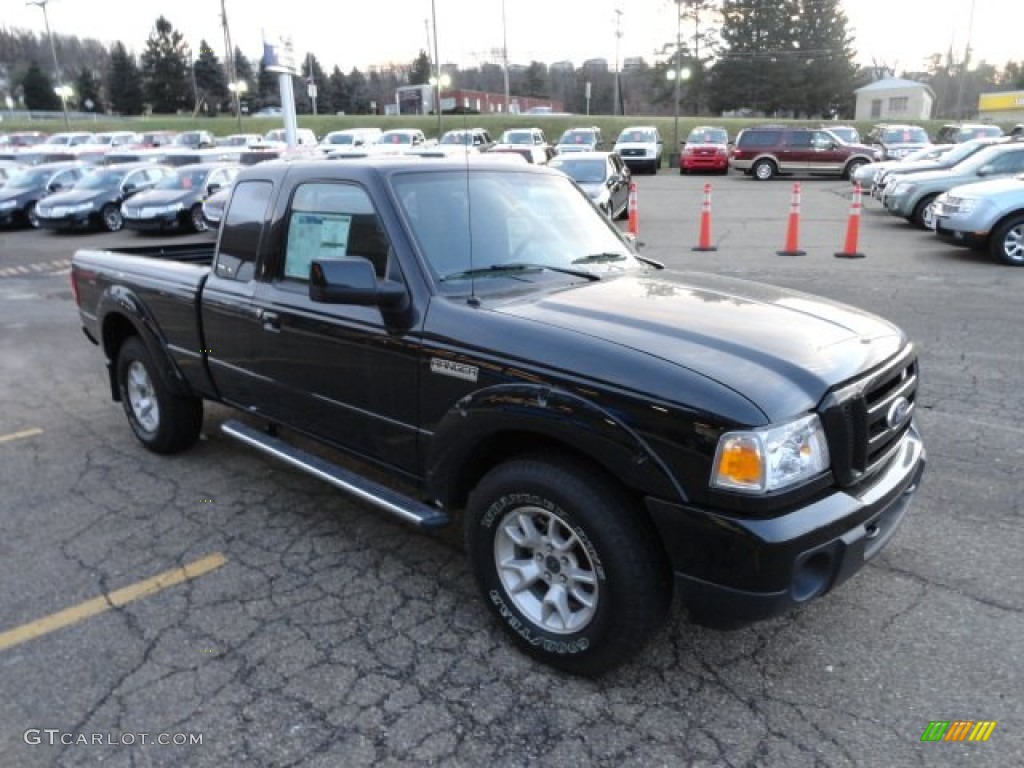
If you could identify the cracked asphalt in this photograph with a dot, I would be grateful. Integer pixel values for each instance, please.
(335, 636)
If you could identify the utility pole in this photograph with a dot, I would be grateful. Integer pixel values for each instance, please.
(963, 70)
(618, 37)
(437, 70)
(61, 90)
(232, 74)
(504, 55)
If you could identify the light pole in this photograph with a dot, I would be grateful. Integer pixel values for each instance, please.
(618, 37)
(238, 88)
(677, 76)
(436, 79)
(439, 82)
(56, 66)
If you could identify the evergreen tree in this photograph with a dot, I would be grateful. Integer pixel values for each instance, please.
(537, 80)
(758, 68)
(337, 92)
(268, 94)
(165, 69)
(358, 94)
(313, 74)
(37, 90)
(243, 68)
(211, 82)
(124, 83)
(420, 71)
(87, 90)
(825, 59)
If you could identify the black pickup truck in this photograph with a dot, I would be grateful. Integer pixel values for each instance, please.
(482, 341)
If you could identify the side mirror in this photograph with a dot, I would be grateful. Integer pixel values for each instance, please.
(54, 187)
(129, 188)
(211, 188)
(986, 170)
(352, 280)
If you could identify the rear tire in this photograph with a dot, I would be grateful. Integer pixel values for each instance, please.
(162, 421)
(566, 564)
(195, 218)
(852, 167)
(763, 170)
(1007, 242)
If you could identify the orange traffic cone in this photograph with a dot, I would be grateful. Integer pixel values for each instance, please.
(792, 247)
(634, 215)
(704, 240)
(852, 228)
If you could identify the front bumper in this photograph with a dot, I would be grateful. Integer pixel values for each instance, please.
(85, 220)
(704, 163)
(739, 570)
(155, 223)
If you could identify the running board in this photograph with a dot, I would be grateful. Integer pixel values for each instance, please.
(408, 509)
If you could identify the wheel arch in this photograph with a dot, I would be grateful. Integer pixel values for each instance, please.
(509, 421)
(121, 316)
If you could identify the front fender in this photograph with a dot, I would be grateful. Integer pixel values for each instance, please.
(491, 424)
(121, 313)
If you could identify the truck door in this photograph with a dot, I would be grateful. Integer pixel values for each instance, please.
(229, 319)
(334, 370)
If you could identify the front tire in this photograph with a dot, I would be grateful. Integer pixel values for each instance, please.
(111, 218)
(195, 217)
(31, 216)
(917, 218)
(1007, 242)
(163, 422)
(566, 563)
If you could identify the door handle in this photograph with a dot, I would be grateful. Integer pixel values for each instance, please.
(271, 321)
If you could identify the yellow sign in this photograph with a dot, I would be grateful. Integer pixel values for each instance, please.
(996, 102)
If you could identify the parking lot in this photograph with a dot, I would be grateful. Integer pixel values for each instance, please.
(246, 614)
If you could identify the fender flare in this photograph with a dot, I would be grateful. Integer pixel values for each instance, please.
(551, 414)
(120, 302)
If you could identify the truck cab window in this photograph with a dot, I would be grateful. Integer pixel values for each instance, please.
(241, 230)
(332, 221)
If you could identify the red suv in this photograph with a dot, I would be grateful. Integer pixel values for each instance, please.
(706, 149)
(767, 151)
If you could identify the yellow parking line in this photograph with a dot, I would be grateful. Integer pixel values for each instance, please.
(19, 435)
(115, 599)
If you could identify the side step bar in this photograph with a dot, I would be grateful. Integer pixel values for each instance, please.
(408, 509)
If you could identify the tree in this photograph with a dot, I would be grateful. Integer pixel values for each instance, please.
(314, 75)
(336, 91)
(87, 90)
(165, 69)
(37, 88)
(210, 79)
(268, 93)
(824, 54)
(124, 82)
(759, 66)
(537, 80)
(420, 72)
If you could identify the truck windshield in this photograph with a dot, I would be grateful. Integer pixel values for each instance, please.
(465, 224)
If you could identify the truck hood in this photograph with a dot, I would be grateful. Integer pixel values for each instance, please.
(780, 349)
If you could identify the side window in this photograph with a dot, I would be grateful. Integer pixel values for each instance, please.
(798, 139)
(240, 233)
(331, 221)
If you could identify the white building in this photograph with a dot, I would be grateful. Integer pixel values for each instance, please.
(894, 99)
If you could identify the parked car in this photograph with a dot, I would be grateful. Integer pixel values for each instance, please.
(465, 140)
(397, 141)
(268, 112)
(176, 201)
(24, 189)
(956, 155)
(39, 155)
(865, 176)
(279, 137)
(954, 133)
(706, 148)
(602, 175)
(8, 168)
(898, 141)
(213, 206)
(641, 148)
(239, 140)
(986, 215)
(156, 138)
(847, 133)
(194, 140)
(579, 140)
(769, 150)
(95, 200)
(66, 139)
(910, 197)
(349, 139)
(1017, 130)
(112, 139)
(22, 139)
(531, 143)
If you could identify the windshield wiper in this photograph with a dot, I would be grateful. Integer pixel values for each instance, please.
(499, 269)
(596, 258)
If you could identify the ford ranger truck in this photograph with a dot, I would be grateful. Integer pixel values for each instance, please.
(472, 342)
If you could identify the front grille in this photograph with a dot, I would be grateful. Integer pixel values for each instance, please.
(865, 420)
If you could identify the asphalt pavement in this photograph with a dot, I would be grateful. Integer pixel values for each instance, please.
(246, 614)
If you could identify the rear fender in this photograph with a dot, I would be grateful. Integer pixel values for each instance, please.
(121, 314)
(499, 422)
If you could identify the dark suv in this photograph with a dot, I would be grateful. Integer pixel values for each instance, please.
(898, 141)
(954, 133)
(766, 151)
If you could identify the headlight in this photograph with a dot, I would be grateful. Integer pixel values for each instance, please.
(771, 458)
(7, 205)
(964, 205)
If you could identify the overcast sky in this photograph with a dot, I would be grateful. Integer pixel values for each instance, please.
(900, 33)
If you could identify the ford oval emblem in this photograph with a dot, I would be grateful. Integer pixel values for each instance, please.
(899, 412)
